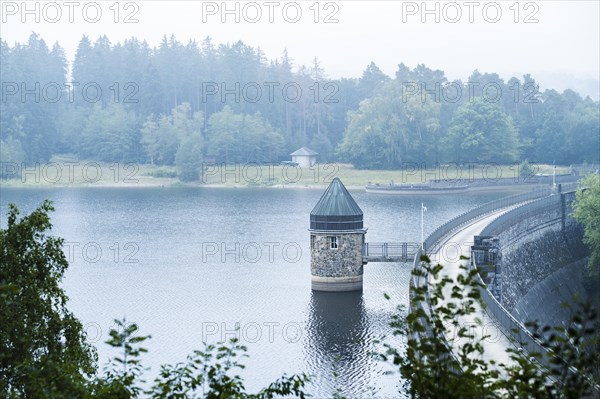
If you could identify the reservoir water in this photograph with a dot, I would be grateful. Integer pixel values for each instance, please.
(189, 264)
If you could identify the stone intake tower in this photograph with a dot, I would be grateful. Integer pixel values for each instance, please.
(336, 241)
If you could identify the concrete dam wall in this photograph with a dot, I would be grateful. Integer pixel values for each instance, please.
(543, 302)
(542, 260)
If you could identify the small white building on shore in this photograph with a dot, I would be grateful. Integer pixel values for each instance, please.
(304, 157)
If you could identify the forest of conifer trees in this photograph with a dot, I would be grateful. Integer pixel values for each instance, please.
(129, 102)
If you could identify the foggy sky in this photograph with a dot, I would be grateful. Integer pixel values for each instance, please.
(560, 50)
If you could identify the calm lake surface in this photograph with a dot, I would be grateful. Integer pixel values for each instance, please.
(188, 264)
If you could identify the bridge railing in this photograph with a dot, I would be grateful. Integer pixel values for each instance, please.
(418, 279)
(568, 187)
(404, 250)
(541, 199)
(451, 225)
(436, 236)
(510, 325)
(521, 212)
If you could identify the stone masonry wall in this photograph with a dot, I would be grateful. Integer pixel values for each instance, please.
(534, 248)
(543, 302)
(344, 261)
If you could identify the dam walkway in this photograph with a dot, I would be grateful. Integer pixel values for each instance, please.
(479, 322)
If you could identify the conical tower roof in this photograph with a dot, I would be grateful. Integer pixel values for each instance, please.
(336, 210)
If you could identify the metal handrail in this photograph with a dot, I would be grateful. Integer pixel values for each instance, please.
(445, 229)
(521, 212)
(481, 210)
(389, 249)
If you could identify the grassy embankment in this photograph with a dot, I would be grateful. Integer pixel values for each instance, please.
(65, 171)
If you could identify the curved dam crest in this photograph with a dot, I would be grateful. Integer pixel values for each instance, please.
(524, 247)
(542, 260)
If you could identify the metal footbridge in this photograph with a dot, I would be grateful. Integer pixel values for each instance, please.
(390, 251)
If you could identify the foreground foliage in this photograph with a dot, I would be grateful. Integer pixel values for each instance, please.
(43, 349)
(44, 354)
(210, 373)
(438, 368)
(587, 212)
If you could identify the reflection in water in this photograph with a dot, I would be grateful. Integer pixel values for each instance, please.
(337, 331)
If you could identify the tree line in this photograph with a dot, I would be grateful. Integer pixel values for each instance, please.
(176, 104)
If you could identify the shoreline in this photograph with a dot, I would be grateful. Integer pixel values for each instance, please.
(174, 184)
(130, 176)
(290, 186)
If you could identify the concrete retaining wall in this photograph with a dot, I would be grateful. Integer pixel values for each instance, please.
(530, 256)
(544, 301)
(535, 247)
(542, 229)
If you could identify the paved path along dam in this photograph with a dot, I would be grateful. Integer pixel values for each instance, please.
(448, 254)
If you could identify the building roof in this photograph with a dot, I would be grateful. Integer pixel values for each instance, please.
(336, 210)
(304, 151)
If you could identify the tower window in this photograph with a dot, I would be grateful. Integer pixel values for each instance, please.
(333, 242)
